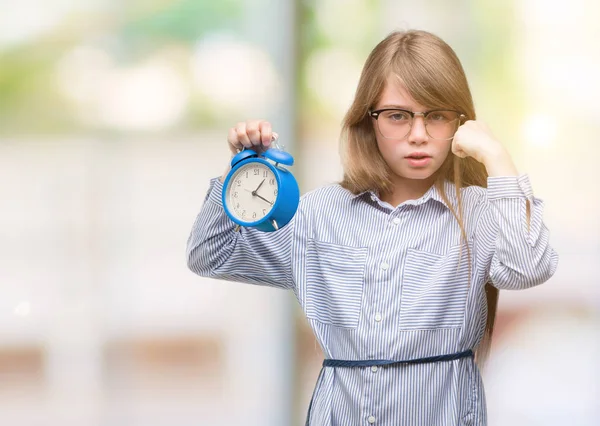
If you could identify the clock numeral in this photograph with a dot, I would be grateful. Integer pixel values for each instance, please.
(237, 206)
(254, 215)
(265, 173)
(239, 182)
(256, 172)
(235, 194)
(265, 211)
(247, 174)
(275, 192)
(272, 181)
(243, 213)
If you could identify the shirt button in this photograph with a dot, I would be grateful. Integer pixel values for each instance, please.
(378, 317)
(396, 221)
(374, 369)
(372, 419)
(384, 266)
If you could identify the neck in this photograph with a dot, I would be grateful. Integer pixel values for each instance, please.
(406, 189)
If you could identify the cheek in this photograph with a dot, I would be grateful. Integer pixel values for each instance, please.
(381, 146)
(448, 145)
(445, 149)
(387, 147)
(380, 141)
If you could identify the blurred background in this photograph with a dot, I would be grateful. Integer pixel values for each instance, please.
(113, 118)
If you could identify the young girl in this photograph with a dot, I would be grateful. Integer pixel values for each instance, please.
(398, 267)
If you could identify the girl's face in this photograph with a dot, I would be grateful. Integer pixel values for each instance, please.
(416, 155)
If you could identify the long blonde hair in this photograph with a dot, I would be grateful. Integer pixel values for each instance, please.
(433, 75)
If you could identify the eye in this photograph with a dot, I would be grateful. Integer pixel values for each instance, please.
(437, 116)
(442, 116)
(396, 116)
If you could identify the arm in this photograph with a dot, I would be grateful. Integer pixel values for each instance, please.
(511, 238)
(216, 250)
(521, 254)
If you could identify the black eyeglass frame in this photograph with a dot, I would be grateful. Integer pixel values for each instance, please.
(375, 114)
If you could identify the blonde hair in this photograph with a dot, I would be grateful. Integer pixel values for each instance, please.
(433, 75)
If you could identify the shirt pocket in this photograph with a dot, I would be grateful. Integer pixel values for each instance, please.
(334, 283)
(434, 289)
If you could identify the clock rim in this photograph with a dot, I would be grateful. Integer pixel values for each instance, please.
(232, 172)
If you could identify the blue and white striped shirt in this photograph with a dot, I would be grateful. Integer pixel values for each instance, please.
(378, 282)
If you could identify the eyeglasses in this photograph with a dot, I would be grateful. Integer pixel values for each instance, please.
(396, 123)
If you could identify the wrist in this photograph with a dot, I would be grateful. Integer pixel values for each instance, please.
(499, 163)
(228, 168)
(225, 173)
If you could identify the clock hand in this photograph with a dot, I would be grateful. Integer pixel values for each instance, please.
(259, 196)
(262, 198)
(259, 185)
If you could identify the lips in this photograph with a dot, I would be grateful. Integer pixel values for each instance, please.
(419, 159)
(418, 155)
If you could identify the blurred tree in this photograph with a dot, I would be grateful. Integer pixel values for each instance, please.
(31, 101)
(176, 21)
(496, 80)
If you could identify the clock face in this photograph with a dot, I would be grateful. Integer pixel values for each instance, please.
(251, 192)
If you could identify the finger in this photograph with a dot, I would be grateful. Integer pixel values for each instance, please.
(232, 140)
(458, 152)
(462, 130)
(242, 135)
(266, 133)
(253, 132)
(485, 126)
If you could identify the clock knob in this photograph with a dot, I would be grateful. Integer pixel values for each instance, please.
(279, 156)
(246, 153)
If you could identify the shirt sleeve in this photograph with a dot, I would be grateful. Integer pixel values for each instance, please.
(511, 230)
(216, 250)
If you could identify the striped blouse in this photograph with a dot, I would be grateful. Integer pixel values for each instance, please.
(382, 282)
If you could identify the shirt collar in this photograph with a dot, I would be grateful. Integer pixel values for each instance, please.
(431, 194)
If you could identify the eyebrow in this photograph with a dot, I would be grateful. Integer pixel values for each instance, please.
(395, 107)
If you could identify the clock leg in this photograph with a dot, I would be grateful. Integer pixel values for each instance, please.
(275, 225)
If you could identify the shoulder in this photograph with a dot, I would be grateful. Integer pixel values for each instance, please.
(473, 195)
(470, 196)
(475, 205)
(327, 195)
(473, 201)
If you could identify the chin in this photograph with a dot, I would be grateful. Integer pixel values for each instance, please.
(417, 174)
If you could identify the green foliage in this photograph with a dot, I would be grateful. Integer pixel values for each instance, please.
(30, 101)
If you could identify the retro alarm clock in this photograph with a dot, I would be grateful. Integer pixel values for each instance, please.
(259, 191)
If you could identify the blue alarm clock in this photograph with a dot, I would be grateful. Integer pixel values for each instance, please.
(259, 192)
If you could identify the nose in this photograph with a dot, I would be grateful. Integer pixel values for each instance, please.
(418, 133)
